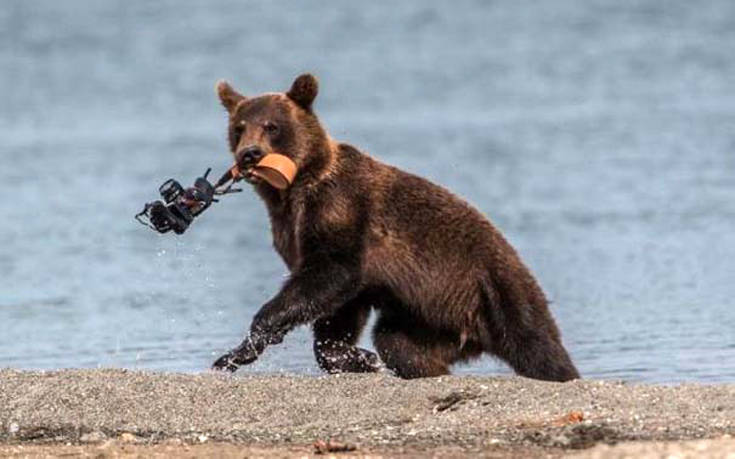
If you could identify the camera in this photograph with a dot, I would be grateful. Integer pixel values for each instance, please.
(179, 206)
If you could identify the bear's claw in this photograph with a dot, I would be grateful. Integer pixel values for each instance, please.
(226, 362)
(244, 354)
(232, 361)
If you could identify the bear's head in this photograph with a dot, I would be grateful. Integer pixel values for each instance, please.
(282, 123)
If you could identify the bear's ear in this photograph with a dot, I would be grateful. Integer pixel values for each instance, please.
(303, 90)
(228, 96)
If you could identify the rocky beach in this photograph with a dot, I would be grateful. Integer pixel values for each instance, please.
(120, 413)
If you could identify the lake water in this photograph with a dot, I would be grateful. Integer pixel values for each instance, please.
(599, 136)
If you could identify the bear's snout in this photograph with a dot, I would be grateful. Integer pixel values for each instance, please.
(249, 156)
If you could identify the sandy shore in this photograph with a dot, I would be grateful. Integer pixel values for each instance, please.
(120, 413)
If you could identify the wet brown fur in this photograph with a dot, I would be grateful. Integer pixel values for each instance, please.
(358, 234)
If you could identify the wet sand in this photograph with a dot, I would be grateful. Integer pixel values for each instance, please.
(120, 413)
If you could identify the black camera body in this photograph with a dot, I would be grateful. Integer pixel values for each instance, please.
(179, 206)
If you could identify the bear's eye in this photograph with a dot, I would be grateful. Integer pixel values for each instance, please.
(270, 128)
(238, 130)
(235, 135)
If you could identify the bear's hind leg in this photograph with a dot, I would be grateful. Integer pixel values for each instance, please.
(335, 337)
(407, 352)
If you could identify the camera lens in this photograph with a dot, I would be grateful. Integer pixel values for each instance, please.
(170, 190)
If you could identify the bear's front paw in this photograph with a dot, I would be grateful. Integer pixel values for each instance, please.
(226, 362)
(235, 358)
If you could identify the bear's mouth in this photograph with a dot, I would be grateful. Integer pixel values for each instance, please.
(277, 170)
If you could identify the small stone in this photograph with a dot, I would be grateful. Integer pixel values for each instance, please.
(108, 444)
(127, 437)
(561, 440)
(13, 428)
(93, 437)
(202, 438)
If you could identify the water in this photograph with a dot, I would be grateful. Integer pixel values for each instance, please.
(599, 136)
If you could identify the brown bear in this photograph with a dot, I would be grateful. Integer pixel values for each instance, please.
(358, 234)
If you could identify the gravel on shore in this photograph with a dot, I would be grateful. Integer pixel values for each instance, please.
(378, 413)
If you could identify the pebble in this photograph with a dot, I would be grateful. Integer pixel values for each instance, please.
(127, 437)
(93, 437)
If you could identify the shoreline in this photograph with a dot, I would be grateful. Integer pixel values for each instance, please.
(116, 412)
